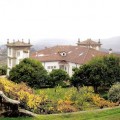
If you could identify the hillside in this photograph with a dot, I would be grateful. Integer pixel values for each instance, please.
(108, 43)
(113, 43)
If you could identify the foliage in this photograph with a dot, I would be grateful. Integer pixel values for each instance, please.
(114, 93)
(66, 99)
(100, 71)
(23, 93)
(79, 76)
(80, 99)
(101, 102)
(66, 106)
(29, 71)
(112, 74)
(58, 77)
(3, 70)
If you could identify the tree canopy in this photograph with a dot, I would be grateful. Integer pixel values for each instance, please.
(57, 77)
(29, 71)
(100, 71)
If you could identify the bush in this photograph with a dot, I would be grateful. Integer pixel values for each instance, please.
(29, 71)
(114, 93)
(80, 99)
(101, 102)
(23, 93)
(65, 106)
(58, 77)
(3, 70)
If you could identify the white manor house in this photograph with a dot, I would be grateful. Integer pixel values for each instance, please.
(67, 57)
(64, 57)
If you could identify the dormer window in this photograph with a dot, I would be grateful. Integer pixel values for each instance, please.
(63, 53)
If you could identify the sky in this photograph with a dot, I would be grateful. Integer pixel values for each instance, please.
(58, 19)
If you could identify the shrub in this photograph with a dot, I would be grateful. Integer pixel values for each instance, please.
(66, 106)
(101, 102)
(58, 77)
(82, 98)
(23, 93)
(114, 93)
(3, 70)
(29, 71)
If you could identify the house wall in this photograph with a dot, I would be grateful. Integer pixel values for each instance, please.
(15, 55)
(49, 66)
(71, 66)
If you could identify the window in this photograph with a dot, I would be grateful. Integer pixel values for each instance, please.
(61, 66)
(65, 68)
(63, 53)
(51, 67)
(48, 67)
(10, 62)
(9, 51)
(18, 53)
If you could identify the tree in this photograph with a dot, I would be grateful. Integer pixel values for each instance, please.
(3, 70)
(113, 69)
(57, 77)
(29, 71)
(100, 71)
(80, 76)
(96, 75)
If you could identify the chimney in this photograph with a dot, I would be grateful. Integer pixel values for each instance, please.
(78, 41)
(99, 41)
(28, 41)
(13, 41)
(22, 40)
(7, 41)
(110, 51)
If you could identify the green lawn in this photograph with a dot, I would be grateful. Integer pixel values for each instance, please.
(106, 114)
(54, 93)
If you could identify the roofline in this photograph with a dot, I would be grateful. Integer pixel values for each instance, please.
(60, 60)
(89, 44)
(19, 45)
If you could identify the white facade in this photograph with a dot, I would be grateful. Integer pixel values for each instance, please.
(16, 53)
(68, 66)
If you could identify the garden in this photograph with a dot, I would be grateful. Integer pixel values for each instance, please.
(93, 86)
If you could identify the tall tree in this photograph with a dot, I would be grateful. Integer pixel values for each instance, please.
(102, 71)
(29, 71)
(58, 77)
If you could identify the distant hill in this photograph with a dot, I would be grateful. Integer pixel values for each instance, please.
(52, 42)
(113, 43)
(3, 55)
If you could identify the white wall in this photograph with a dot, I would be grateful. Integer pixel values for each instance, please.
(22, 56)
(47, 64)
(15, 59)
(69, 66)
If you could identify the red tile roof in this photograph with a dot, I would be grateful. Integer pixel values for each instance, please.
(74, 54)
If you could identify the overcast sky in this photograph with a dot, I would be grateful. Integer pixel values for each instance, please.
(59, 19)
